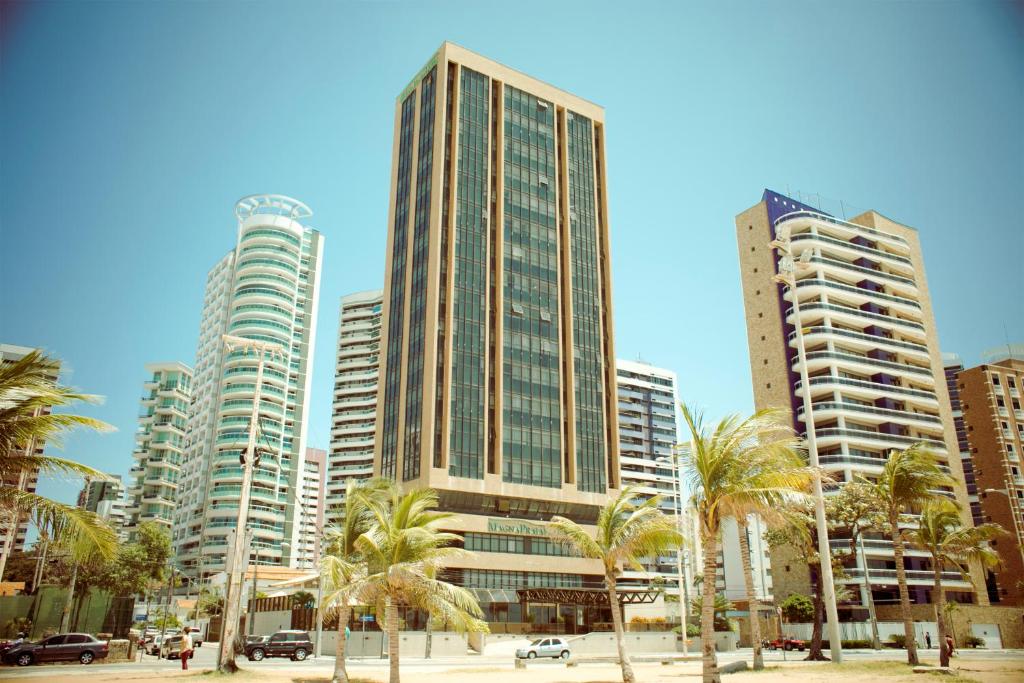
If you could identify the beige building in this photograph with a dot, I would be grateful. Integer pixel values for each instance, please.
(990, 398)
(497, 382)
(874, 369)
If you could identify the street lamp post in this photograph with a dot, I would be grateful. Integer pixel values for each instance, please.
(787, 276)
(226, 653)
(677, 499)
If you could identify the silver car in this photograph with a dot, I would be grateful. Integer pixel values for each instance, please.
(545, 647)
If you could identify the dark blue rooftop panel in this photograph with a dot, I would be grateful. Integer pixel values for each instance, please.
(780, 205)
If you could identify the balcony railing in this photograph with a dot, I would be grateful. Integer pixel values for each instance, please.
(857, 313)
(841, 223)
(864, 384)
(903, 301)
(824, 260)
(877, 253)
(879, 436)
(884, 412)
(874, 339)
(866, 360)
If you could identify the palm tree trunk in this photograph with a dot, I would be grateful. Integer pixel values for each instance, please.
(748, 581)
(340, 673)
(940, 613)
(429, 637)
(707, 611)
(814, 653)
(65, 619)
(620, 637)
(391, 618)
(901, 579)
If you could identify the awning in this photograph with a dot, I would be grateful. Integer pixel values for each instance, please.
(586, 596)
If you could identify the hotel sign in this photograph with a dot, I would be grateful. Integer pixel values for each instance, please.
(520, 528)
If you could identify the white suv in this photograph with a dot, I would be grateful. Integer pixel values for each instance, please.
(545, 647)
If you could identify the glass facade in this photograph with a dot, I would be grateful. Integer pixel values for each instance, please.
(531, 434)
(469, 312)
(591, 472)
(520, 545)
(418, 283)
(393, 381)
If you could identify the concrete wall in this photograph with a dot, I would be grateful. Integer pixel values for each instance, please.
(411, 644)
(604, 643)
(1010, 620)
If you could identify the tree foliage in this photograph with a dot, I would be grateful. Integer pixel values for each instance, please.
(797, 608)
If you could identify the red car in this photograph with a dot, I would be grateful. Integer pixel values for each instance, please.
(787, 643)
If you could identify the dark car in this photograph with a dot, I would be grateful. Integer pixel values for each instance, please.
(64, 647)
(293, 644)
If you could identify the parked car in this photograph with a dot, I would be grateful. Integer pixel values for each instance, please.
(153, 644)
(293, 644)
(59, 648)
(170, 648)
(545, 647)
(787, 643)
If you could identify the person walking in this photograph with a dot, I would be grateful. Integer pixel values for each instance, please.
(928, 639)
(186, 648)
(949, 644)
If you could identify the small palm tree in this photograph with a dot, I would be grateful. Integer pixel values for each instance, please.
(342, 564)
(909, 479)
(28, 390)
(404, 548)
(737, 466)
(942, 534)
(627, 531)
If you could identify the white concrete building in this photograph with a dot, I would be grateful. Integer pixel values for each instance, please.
(107, 500)
(265, 289)
(648, 431)
(311, 505)
(354, 414)
(159, 445)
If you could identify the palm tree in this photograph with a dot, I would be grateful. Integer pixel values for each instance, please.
(404, 548)
(909, 479)
(942, 534)
(342, 564)
(627, 531)
(739, 465)
(28, 390)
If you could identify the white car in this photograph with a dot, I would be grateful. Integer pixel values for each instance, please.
(545, 647)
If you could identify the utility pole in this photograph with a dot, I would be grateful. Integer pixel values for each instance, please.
(252, 593)
(167, 607)
(787, 275)
(226, 656)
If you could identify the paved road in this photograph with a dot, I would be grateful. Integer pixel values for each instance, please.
(206, 656)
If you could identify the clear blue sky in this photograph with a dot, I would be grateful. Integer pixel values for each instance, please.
(130, 129)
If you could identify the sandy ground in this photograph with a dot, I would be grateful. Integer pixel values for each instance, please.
(984, 671)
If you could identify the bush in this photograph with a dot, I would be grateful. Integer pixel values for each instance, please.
(973, 641)
(897, 640)
(850, 644)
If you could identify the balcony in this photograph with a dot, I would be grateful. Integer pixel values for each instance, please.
(860, 340)
(864, 363)
(848, 267)
(846, 226)
(832, 409)
(855, 316)
(875, 439)
(914, 576)
(833, 244)
(862, 296)
(872, 389)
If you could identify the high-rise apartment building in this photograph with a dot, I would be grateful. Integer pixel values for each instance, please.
(354, 414)
(951, 367)
(990, 398)
(159, 445)
(107, 500)
(14, 528)
(875, 373)
(498, 374)
(311, 507)
(266, 289)
(648, 433)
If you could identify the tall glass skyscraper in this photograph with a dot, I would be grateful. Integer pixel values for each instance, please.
(265, 289)
(497, 383)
